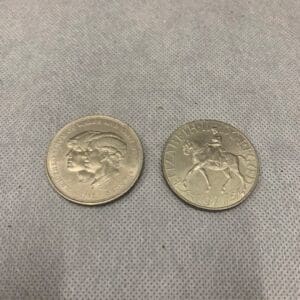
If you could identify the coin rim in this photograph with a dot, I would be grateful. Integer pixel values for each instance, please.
(197, 205)
(140, 152)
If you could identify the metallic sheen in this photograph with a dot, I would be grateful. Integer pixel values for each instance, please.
(210, 164)
(94, 160)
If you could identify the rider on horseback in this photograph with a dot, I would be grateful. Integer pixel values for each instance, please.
(216, 148)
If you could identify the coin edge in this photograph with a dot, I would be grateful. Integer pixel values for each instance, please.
(204, 207)
(141, 165)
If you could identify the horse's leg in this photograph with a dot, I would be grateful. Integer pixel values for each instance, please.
(227, 173)
(237, 172)
(191, 170)
(203, 172)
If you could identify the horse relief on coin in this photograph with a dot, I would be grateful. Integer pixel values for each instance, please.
(94, 160)
(210, 164)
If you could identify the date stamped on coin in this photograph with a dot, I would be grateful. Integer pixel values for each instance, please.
(210, 164)
(94, 160)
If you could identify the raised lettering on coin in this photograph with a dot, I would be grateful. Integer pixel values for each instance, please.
(210, 164)
(94, 160)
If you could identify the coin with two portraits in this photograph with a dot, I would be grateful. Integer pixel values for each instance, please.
(94, 160)
(210, 164)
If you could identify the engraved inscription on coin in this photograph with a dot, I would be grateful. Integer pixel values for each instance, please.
(210, 164)
(94, 160)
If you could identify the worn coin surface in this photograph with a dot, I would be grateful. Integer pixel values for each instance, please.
(210, 164)
(94, 160)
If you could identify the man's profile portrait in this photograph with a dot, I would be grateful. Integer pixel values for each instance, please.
(95, 156)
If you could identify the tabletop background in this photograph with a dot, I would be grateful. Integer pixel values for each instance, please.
(155, 65)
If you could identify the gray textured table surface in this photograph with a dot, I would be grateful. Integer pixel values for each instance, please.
(154, 64)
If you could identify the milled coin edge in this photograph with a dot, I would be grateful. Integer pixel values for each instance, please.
(140, 151)
(181, 197)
